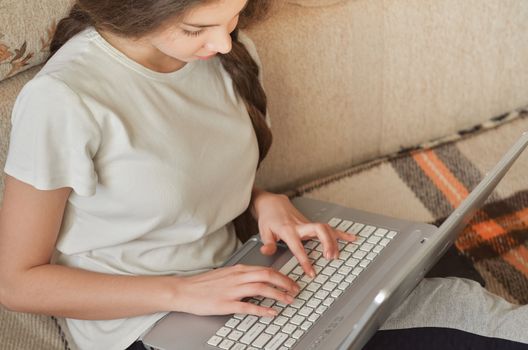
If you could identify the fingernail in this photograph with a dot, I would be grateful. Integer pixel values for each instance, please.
(312, 274)
(289, 298)
(272, 313)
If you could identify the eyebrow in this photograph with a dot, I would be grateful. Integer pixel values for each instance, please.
(209, 25)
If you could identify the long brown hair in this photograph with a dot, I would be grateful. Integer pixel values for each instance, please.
(137, 18)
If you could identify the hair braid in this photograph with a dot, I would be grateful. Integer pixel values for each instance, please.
(244, 73)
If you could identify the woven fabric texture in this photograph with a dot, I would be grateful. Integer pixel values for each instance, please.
(26, 30)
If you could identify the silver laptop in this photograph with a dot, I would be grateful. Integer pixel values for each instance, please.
(350, 298)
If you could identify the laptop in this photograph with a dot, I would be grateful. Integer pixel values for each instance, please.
(350, 297)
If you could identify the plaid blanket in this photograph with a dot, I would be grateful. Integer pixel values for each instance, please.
(426, 183)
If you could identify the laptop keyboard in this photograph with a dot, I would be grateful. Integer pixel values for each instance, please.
(333, 277)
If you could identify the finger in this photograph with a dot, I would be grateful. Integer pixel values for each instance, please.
(272, 277)
(325, 234)
(241, 307)
(269, 242)
(345, 236)
(293, 242)
(262, 289)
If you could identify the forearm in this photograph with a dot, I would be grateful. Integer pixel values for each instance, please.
(74, 293)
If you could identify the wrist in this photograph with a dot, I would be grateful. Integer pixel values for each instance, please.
(170, 293)
(260, 200)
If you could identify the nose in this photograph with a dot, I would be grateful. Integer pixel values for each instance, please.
(220, 42)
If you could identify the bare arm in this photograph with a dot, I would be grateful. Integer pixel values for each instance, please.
(29, 224)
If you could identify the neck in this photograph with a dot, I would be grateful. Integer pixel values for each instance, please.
(143, 53)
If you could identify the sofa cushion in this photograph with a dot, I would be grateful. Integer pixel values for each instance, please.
(26, 32)
(9, 89)
(362, 78)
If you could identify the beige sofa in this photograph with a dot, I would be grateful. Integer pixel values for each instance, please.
(350, 84)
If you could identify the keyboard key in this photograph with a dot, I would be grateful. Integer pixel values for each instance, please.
(328, 301)
(329, 286)
(313, 317)
(367, 231)
(305, 295)
(336, 263)
(373, 239)
(337, 278)
(352, 262)
(247, 323)
(360, 254)
(305, 311)
(355, 228)
(364, 263)
(280, 320)
(313, 303)
(276, 342)
(328, 271)
(289, 342)
(350, 278)
(214, 340)
(306, 325)
(289, 328)
(344, 225)
(371, 256)
(321, 294)
(311, 244)
(357, 271)
(232, 323)
(344, 270)
(261, 340)
(272, 329)
(392, 234)
(334, 222)
(321, 278)
(224, 331)
(378, 249)
(297, 303)
(226, 344)
(298, 319)
(337, 292)
(289, 311)
(313, 287)
(290, 265)
(380, 232)
(344, 254)
(235, 335)
(297, 334)
(341, 287)
(384, 242)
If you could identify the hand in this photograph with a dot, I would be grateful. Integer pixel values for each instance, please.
(279, 219)
(220, 291)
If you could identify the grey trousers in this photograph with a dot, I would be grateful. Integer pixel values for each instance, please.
(461, 304)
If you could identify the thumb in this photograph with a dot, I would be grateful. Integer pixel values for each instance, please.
(269, 242)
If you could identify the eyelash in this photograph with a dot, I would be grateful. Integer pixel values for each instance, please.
(192, 33)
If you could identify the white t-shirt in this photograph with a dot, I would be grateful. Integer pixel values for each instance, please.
(159, 163)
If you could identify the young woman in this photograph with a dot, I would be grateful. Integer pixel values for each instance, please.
(131, 153)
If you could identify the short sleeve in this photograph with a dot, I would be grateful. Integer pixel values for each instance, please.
(54, 138)
(252, 49)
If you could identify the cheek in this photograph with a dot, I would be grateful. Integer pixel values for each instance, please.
(179, 46)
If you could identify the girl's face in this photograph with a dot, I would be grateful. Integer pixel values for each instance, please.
(200, 34)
